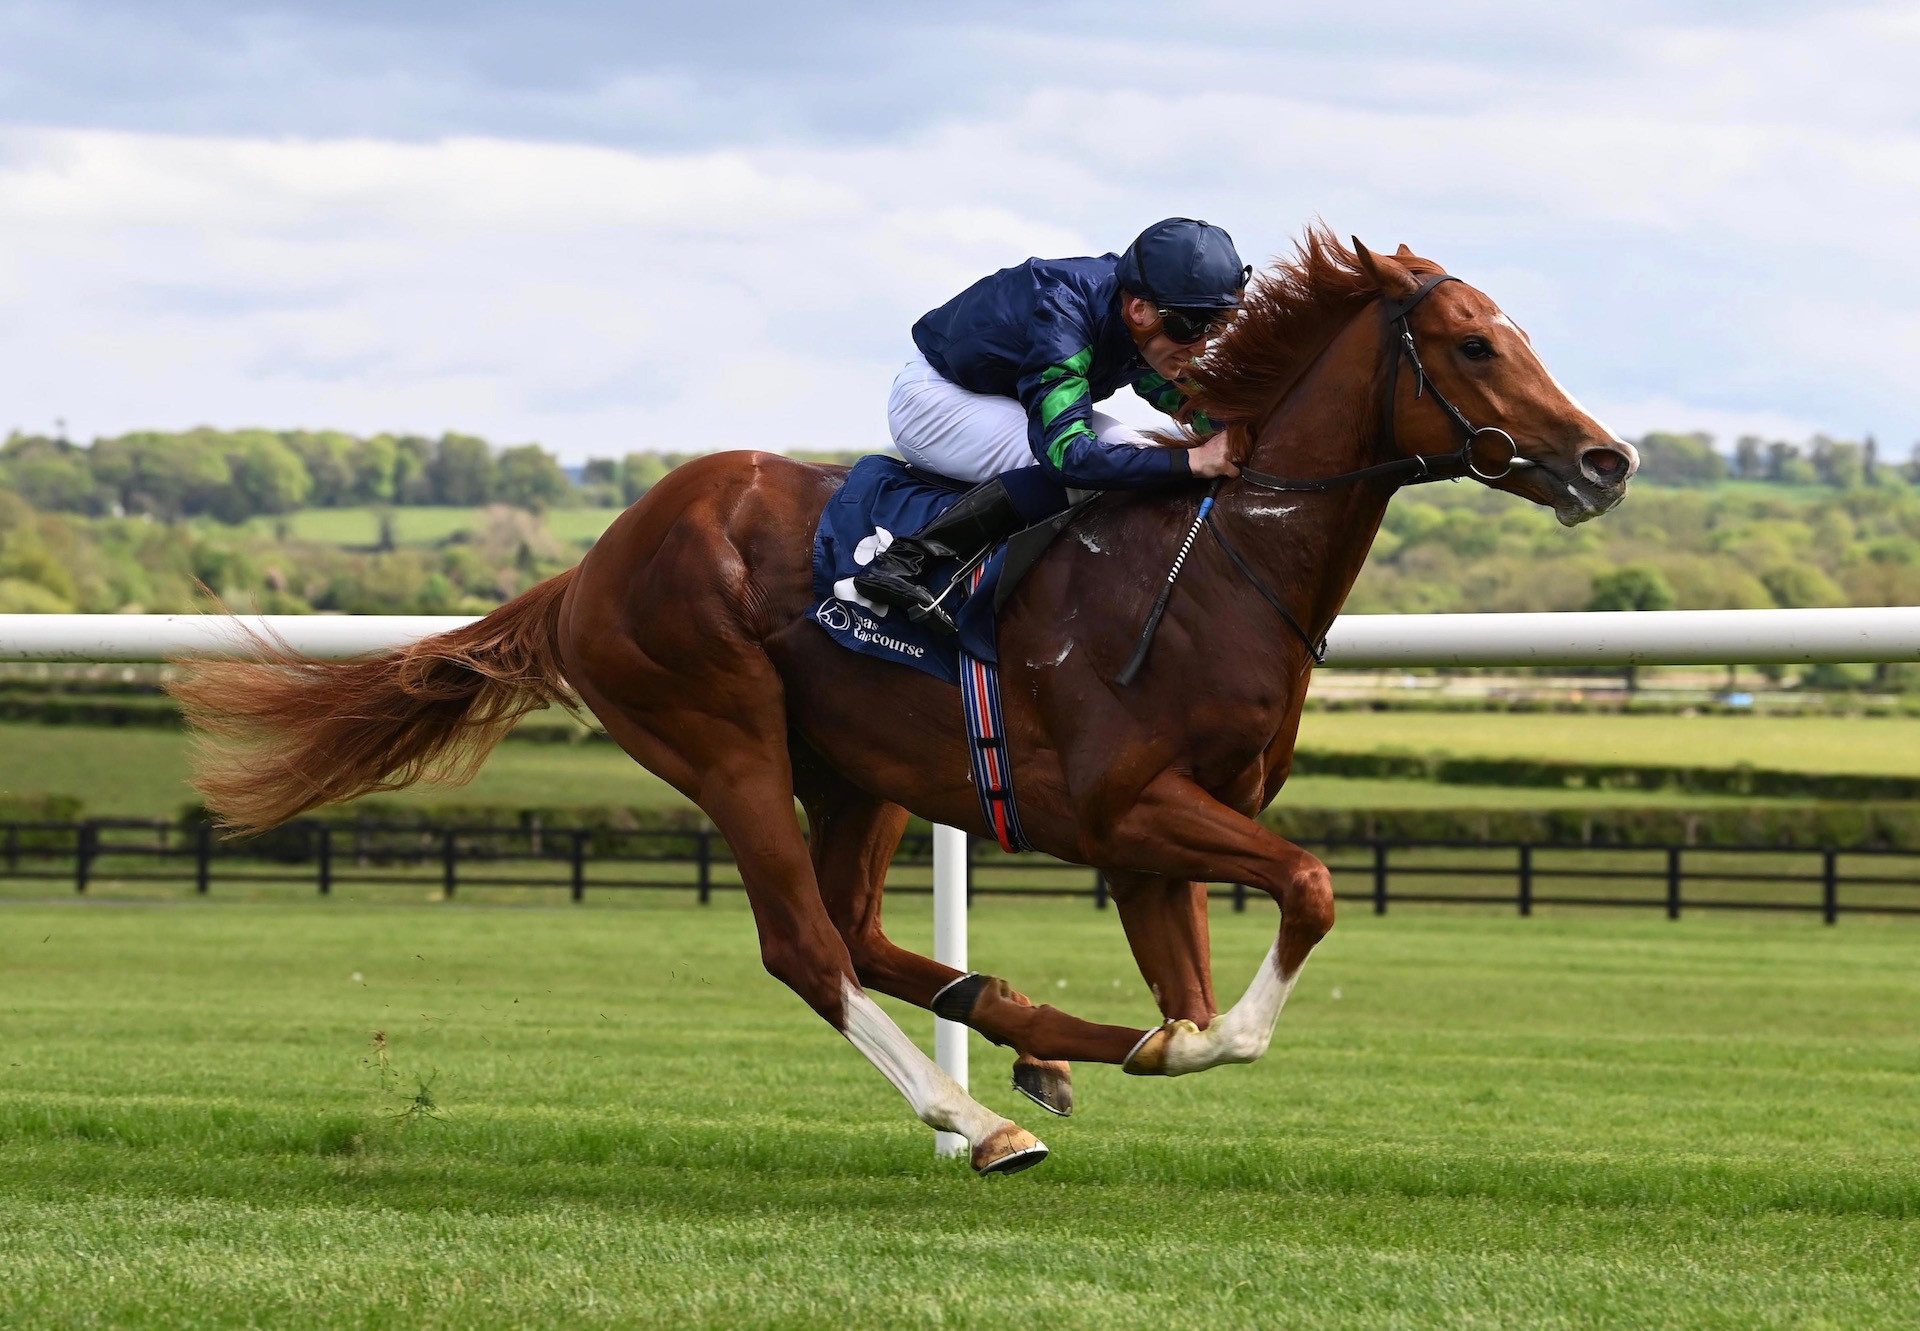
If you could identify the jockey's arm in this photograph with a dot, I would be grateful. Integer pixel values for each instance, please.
(1163, 394)
(1059, 404)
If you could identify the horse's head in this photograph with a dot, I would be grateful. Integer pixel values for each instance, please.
(1485, 365)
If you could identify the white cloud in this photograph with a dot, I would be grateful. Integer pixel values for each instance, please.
(1696, 223)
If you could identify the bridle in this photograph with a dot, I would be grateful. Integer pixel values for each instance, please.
(1415, 469)
(1419, 468)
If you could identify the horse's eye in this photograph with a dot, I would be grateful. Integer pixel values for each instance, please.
(1477, 348)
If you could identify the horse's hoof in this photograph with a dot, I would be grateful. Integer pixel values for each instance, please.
(1008, 1149)
(1049, 1085)
(1149, 1057)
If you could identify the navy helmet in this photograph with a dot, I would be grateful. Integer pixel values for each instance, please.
(1181, 263)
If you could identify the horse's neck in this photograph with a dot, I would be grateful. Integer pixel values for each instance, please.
(1310, 547)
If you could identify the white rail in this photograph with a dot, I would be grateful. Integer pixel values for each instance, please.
(1659, 637)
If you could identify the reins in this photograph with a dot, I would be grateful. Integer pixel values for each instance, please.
(1417, 469)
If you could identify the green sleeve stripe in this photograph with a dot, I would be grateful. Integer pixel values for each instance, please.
(1203, 423)
(1159, 391)
(1057, 450)
(1074, 366)
(1066, 394)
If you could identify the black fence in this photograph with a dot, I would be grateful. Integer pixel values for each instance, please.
(115, 854)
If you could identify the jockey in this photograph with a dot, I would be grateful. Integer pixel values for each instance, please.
(1003, 389)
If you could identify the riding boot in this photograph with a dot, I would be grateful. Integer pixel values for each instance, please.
(980, 517)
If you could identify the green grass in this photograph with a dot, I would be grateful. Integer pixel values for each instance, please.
(143, 773)
(1573, 1121)
(1876, 745)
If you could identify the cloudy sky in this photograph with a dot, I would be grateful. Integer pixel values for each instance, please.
(609, 226)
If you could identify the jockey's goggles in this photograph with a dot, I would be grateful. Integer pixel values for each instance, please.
(1188, 326)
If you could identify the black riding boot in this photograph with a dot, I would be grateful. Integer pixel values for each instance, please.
(980, 517)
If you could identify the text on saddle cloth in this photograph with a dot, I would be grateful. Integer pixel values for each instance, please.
(879, 498)
(882, 498)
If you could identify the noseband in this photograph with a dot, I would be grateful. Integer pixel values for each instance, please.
(1419, 468)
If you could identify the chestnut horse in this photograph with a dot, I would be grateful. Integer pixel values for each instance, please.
(686, 632)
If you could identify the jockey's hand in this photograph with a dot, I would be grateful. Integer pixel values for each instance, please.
(1210, 458)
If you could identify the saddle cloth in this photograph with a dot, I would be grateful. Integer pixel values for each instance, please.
(881, 497)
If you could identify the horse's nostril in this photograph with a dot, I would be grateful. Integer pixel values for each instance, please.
(1604, 465)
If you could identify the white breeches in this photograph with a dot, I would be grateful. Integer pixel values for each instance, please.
(941, 427)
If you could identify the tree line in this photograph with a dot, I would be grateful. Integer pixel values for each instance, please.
(1842, 464)
(233, 475)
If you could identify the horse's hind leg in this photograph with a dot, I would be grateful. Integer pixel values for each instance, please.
(853, 837)
(734, 765)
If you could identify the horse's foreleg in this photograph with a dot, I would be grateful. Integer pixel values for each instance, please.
(1166, 924)
(1186, 833)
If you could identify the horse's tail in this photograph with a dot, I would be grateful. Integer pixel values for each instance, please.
(282, 733)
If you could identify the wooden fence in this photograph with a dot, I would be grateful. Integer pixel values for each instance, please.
(116, 855)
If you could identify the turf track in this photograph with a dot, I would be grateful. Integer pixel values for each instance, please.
(1467, 1119)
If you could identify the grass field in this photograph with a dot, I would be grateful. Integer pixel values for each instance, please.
(143, 773)
(1470, 1121)
(1885, 745)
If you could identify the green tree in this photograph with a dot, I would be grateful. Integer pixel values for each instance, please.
(266, 477)
(412, 470)
(329, 458)
(166, 475)
(375, 462)
(462, 470)
(1680, 459)
(52, 473)
(1632, 587)
(1801, 586)
(528, 477)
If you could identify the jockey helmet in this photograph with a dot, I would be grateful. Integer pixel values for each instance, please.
(1185, 264)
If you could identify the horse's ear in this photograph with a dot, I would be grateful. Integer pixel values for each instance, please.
(1405, 251)
(1389, 274)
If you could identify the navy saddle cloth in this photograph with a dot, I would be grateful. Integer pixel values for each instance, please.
(880, 499)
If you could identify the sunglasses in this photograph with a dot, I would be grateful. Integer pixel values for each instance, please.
(1188, 326)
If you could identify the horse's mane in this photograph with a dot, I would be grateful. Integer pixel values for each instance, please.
(1291, 311)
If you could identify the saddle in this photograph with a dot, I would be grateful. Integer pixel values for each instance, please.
(882, 496)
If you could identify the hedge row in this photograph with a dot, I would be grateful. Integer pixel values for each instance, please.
(1802, 826)
(1538, 772)
(1630, 705)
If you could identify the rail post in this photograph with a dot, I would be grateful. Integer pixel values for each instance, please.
(1240, 898)
(1673, 882)
(1379, 878)
(323, 859)
(449, 863)
(952, 870)
(203, 858)
(577, 853)
(1526, 880)
(703, 855)
(84, 847)
(1830, 885)
(1099, 890)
